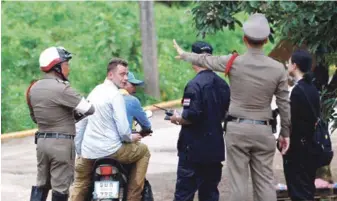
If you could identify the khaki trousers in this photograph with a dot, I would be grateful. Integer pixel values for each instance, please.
(83, 173)
(136, 153)
(250, 147)
(55, 163)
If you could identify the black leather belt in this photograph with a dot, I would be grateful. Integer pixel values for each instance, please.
(54, 135)
(247, 121)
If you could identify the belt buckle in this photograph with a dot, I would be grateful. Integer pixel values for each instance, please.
(57, 135)
(303, 140)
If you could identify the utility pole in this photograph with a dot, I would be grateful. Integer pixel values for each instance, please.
(149, 48)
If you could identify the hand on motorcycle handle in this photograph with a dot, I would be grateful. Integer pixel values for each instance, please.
(138, 135)
(135, 137)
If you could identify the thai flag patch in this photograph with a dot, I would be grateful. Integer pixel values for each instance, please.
(186, 102)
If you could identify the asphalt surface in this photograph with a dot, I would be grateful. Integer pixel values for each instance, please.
(18, 164)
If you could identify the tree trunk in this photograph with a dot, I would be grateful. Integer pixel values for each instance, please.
(282, 51)
(149, 48)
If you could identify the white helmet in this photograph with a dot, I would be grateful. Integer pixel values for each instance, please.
(52, 56)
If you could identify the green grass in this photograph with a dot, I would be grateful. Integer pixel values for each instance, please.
(94, 32)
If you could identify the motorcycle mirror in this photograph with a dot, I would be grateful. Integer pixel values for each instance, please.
(148, 113)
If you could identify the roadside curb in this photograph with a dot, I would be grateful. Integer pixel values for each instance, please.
(19, 134)
(31, 132)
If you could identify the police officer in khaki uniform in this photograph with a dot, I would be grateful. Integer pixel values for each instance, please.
(55, 107)
(254, 79)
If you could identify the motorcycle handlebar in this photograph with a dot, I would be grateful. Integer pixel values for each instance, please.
(143, 132)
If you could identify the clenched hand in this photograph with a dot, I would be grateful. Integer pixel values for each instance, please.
(284, 143)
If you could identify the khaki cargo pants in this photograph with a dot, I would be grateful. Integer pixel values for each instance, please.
(55, 163)
(136, 153)
(250, 147)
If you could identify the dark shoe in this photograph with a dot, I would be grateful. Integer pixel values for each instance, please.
(39, 193)
(59, 196)
(147, 194)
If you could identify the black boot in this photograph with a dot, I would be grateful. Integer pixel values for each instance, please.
(39, 193)
(59, 196)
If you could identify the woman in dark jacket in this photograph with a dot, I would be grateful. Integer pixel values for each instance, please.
(299, 165)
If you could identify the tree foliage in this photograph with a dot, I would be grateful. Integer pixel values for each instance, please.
(94, 32)
(308, 23)
(175, 3)
(302, 22)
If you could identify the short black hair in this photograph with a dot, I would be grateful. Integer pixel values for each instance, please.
(302, 59)
(255, 42)
(114, 62)
(201, 47)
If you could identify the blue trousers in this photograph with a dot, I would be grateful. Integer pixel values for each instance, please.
(201, 177)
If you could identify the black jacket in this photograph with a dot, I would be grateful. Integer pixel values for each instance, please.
(205, 101)
(302, 117)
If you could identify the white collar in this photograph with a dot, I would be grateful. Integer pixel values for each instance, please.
(294, 80)
(110, 83)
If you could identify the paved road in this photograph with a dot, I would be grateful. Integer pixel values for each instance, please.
(18, 161)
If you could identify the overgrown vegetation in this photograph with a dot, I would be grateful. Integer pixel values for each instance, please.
(301, 23)
(94, 32)
(304, 24)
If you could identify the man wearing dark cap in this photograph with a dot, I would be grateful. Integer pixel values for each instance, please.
(134, 108)
(201, 143)
(254, 79)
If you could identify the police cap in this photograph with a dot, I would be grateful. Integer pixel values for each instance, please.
(200, 47)
(256, 27)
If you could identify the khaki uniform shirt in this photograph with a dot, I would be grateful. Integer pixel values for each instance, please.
(53, 102)
(254, 79)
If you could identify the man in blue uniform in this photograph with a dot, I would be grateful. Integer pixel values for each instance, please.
(201, 143)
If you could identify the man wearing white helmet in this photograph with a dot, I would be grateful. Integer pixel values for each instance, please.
(55, 107)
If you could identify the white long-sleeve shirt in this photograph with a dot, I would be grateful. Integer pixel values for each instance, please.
(102, 133)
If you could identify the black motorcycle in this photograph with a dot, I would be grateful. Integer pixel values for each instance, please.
(110, 178)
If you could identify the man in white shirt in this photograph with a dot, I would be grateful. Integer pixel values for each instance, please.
(107, 134)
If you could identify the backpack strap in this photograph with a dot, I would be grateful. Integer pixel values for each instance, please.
(230, 63)
(28, 100)
(317, 116)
